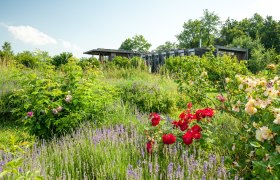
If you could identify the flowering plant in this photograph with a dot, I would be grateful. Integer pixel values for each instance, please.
(186, 130)
(256, 100)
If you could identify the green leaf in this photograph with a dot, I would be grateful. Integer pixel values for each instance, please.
(255, 144)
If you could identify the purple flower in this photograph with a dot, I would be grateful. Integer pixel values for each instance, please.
(30, 114)
(170, 168)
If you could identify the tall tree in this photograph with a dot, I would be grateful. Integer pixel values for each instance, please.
(190, 35)
(136, 43)
(229, 31)
(166, 46)
(270, 34)
(210, 22)
(6, 54)
(205, 29)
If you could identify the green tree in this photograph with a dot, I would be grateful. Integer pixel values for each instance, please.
(27, 58)
(229, 31)
(210, 22)
(167, 46)
(6, 54)
(137, 43)
(190, 35)
(270, 34)
(259, 57)
(205, 29)
(61, 59)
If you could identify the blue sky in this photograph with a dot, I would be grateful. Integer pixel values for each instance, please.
(80, 25)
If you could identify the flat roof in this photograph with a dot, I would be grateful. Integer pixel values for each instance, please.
(108, 51)
(231, 48)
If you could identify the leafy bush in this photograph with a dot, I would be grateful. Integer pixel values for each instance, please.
(87, 63)
(61, 59)
(54, 103)
(217, 68)
(255, 101)
(121, 62)
(147, 97)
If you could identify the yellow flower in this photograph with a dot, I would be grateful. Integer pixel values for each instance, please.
(278, 148)
(271, 66)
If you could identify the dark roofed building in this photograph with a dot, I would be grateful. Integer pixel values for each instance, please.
(239, 53)
(111, 53)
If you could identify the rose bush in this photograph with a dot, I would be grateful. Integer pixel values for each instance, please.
(256, 101)
(186, 130)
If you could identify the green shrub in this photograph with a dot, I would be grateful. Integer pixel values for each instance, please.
(147, 97)
(59, 102)
(87, 63)
(121, 62)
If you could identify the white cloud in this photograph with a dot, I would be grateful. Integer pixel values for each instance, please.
(31, 35)
(70, 46)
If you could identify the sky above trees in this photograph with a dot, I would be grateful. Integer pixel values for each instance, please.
(78, 26)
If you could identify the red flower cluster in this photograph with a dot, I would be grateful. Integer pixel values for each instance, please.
(193, 133)
(203, 113)
(185, 119)
(168, 139)
(155, 119)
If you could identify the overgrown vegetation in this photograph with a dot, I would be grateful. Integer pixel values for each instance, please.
(78, 119)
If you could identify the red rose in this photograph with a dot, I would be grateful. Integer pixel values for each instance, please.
(183, 116)
(191, 116)
(175, 123)
(196, 128)
(202, 113)
(188, 138)
(183, 125)
(196, 135)
(149, 147)
(155, 119)
(208, 112)
(189, 105)
(168, 139)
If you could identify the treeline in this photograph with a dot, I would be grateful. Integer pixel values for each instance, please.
(37, 58)
(260, 35)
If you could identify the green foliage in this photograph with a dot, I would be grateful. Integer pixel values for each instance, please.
(121, 62)
(167, 46)
(89, 63)
(259, 57)
(196, 76)
(27, 59)
(147, 97)
(137, 43)
(6, 55)
(204, 29)
(61, 59)
(59, 102)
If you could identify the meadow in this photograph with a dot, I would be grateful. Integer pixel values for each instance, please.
(197, 118)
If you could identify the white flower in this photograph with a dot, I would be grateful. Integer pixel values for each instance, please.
(240, 86)
(264, 134)
(277, 120)
(259, 135)
(249, 107)
(227, 80)
(68, 98)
